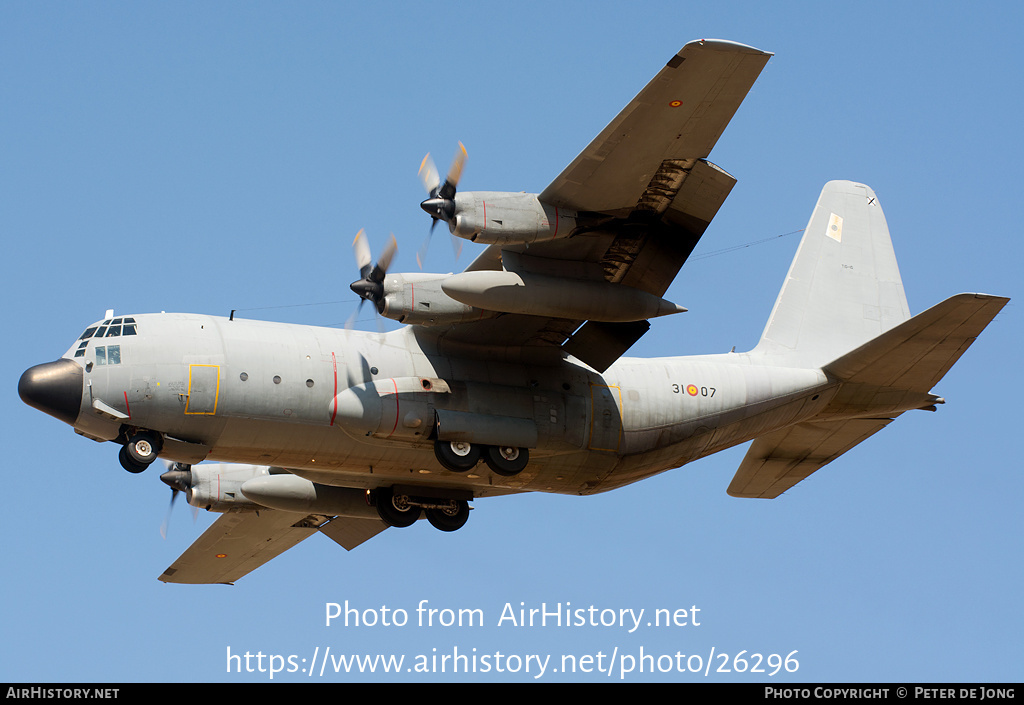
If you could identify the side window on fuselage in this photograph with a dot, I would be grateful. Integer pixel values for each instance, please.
(108, 355)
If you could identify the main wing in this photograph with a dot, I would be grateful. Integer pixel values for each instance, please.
(677, 118)
(240, 542)
(644, 194)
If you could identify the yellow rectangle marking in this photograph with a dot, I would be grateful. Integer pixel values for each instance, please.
(216, 392)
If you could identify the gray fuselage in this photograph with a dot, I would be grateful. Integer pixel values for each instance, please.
(275, 394)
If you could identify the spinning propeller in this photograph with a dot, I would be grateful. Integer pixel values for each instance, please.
(441, 202)
(179, 478)
(370, 286)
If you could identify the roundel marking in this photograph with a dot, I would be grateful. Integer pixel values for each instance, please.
(691, 389)
(675, 103)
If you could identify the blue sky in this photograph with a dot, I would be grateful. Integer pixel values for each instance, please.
(203, 157)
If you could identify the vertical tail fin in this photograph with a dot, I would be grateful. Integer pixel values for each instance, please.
(842, 308)
(844, 286)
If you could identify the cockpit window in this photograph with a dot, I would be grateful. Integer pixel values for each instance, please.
(111, 329)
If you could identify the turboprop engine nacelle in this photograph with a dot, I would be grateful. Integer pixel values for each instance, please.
(217, 486)
(417, 299)
(508, 218)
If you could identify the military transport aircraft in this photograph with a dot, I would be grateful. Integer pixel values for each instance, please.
(509, 376)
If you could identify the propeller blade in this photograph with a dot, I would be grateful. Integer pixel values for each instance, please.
(421, 256)
(167, 517)
(362, 249)
(429, 176)
(386, 256)
(355, 314)
(454, 173)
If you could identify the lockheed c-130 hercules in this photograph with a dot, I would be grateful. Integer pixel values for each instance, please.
(509, 377)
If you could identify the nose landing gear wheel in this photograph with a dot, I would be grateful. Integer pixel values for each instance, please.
(506, 460)
(395, 509)
(451, 517)
(128, 463)
(457, 456)
(140, 451)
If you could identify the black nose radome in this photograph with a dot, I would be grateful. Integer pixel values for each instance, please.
(54, 388)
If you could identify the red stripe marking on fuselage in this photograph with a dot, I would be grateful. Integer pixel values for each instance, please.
(334, 410)
(127, 408)
(396, 408)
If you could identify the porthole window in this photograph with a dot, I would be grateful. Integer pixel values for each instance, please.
(277, 379)
(244, 376)
(309, 383)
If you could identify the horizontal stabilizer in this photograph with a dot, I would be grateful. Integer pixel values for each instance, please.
(777, 461)
(916, 354)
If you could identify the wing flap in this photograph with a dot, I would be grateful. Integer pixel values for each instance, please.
(349, 532)
(777, 461)
(600, 344)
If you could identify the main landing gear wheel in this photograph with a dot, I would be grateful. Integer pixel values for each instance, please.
(506, 460)
(457, 456)
(450, 517)
(396, 509)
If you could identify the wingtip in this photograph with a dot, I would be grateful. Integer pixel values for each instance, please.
(727, 45)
